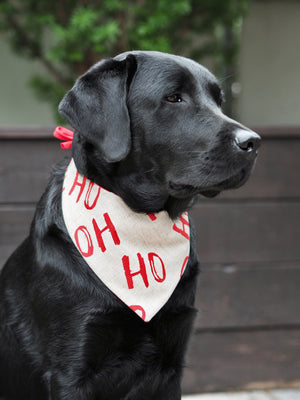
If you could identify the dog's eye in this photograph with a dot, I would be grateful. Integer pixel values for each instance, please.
(174, 98)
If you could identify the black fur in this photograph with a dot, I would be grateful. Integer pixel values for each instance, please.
(64, 335)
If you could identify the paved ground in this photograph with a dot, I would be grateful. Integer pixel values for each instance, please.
(280, 394)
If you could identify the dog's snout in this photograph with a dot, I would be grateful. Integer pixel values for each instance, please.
(247, 141)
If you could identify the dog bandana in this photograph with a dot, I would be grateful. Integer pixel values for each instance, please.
(139, 257)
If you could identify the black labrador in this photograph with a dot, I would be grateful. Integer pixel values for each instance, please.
(149, 128)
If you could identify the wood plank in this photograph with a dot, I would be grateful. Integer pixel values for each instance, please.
(249, 295)
(276, 174)
(242, 360)
(26, 132)
(226, 233)
(283, 132)
(25, 167)
(14, 227)
(232, 232)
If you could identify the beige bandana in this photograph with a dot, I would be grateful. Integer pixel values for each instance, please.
(139, 257)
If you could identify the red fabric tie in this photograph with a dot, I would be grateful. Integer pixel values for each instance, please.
(64, 134)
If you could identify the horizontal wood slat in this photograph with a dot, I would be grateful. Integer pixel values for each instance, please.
(26, 132)
(226, 233)
(15, 222)
(25, 165)
(242, 360)
(255, 231)
(282, 132)
(249, 295)
(14, 227)
(25, 168)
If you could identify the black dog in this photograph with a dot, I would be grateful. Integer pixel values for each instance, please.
(149, 128)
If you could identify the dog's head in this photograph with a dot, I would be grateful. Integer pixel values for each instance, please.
(149, 127)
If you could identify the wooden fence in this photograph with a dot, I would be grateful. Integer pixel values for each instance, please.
(247, 333)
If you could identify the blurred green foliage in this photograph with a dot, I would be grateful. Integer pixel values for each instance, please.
(68, 36)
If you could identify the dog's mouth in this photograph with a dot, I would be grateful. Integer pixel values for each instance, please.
(184, 190)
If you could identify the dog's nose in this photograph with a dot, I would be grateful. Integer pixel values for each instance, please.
(248, 141)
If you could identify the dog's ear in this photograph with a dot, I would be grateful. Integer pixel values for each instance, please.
(96, 107)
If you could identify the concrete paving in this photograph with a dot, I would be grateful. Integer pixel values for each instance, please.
(279, 394)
